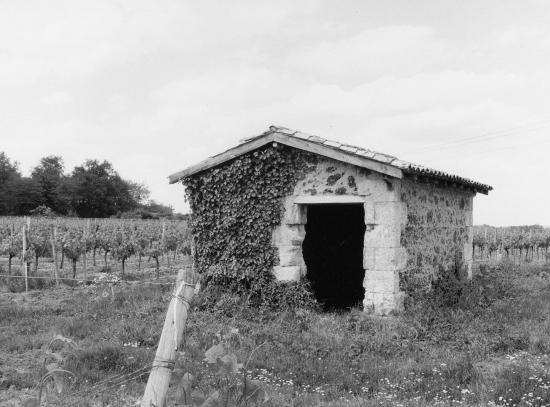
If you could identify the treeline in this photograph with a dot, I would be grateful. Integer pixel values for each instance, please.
(91, 190)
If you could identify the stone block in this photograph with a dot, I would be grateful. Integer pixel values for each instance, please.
(381, 281)
(377, 187)
(287, 273)
(394, 258)
(384, 258)
(294, 214)
(383, 303)
(467, 253)
(290, 255)
(369, 254)
(369, 213)
(289, 235)
(390, 213)
(383, 236)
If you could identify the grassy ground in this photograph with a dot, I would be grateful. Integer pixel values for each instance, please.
(487, 344)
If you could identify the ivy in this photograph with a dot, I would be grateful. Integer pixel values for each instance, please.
(234, 210)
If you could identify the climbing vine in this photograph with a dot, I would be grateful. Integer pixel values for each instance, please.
(235, 208)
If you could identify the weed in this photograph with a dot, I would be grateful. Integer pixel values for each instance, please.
(78, 327)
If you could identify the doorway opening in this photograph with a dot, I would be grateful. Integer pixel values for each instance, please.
(333, 253)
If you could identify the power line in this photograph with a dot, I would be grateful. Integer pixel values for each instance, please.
(488, 136)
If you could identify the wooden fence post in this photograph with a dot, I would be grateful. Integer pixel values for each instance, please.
(170, 339)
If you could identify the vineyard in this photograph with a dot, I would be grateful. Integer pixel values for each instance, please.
(73, 244)
(517, 243)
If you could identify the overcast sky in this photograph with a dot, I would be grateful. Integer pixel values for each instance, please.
(156, 86)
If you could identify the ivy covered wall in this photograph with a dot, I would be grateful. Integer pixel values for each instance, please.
(234, 210)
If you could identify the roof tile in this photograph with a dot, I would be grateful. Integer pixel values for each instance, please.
(383, 158)
(401, 164)
(303, 136)
(317, 139)
(331, 143)
(282, 130)
(365, 153)
(347, 147)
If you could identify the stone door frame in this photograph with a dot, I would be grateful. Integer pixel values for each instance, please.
(383, 255)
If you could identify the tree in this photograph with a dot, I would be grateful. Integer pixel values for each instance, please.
(139, 192)
(158, 210)
(9, 179)
(18, 195)
(98, 191)
(49, 176)
(26, 195)
(8, 169)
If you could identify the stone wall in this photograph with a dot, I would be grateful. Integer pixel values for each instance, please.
(438, 235)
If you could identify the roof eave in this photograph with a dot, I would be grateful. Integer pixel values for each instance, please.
(450, 179)
(222, 157)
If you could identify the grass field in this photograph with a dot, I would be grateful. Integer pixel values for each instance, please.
(490, 345)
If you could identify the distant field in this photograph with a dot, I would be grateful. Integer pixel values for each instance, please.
(491, 345)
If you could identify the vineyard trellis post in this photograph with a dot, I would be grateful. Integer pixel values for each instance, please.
(53, 238)
(24, 256)
(85, 239)
(162, 238)
(26, 229)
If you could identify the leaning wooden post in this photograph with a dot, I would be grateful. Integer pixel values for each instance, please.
(170, 339)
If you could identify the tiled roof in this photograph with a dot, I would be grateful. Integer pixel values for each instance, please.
(362, 157)
(406, 167)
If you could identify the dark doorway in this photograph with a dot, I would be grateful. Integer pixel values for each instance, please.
(333, 252)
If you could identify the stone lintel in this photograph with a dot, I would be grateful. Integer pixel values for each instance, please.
(328, 199)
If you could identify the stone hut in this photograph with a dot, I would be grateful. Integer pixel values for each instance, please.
(363, 227)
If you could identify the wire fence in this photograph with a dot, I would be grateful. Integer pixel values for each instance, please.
(107, 387)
